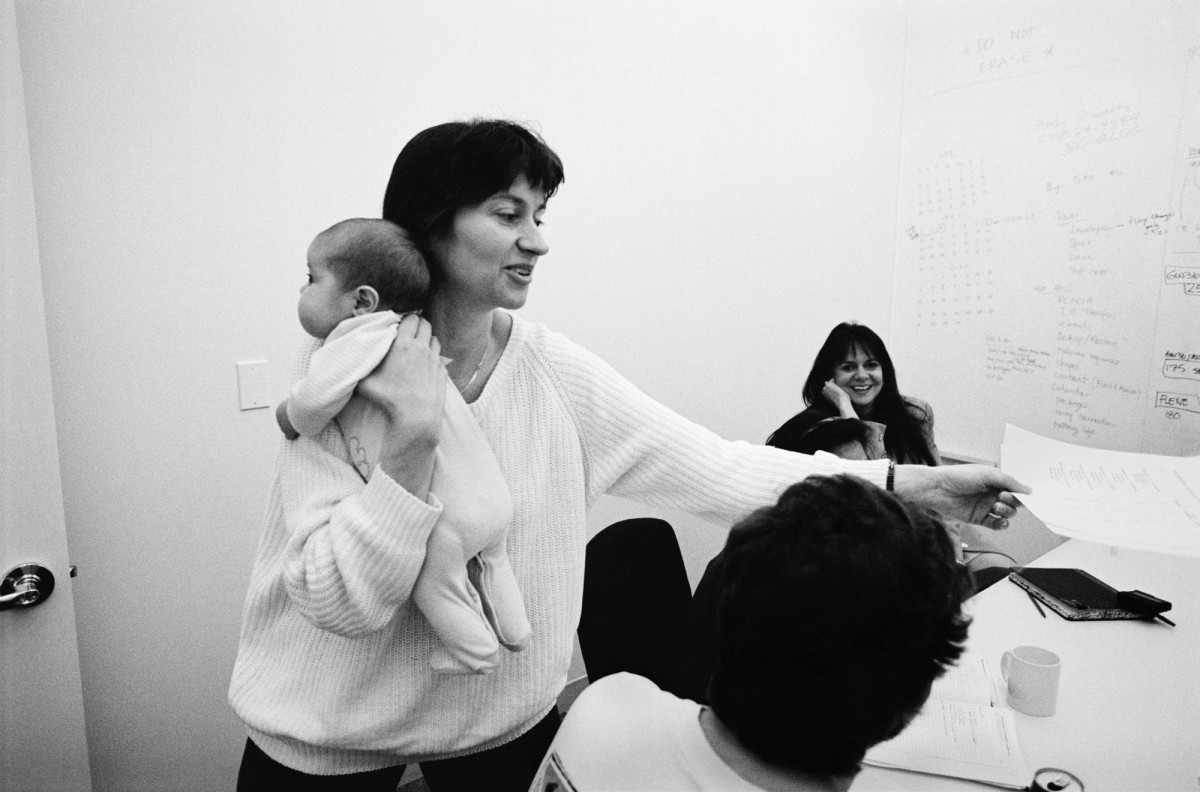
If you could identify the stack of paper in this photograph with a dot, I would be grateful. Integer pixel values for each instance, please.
(1142, 501)
(963, 732)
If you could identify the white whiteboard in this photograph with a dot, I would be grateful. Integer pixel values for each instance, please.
(1048, 241)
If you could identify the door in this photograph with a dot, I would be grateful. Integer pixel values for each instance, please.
(42, 740)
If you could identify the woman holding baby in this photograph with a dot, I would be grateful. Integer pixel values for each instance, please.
(333, 677)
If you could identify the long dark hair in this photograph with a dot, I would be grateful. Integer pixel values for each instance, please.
(904, 419)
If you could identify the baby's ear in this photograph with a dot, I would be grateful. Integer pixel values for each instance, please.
(366, 300)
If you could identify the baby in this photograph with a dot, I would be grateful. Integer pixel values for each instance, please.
(361, 274)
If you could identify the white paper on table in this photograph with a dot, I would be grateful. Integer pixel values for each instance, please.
(970, 680)
(1141, 501)
(961, 732)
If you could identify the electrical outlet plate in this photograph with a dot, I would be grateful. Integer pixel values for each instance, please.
(252, 384)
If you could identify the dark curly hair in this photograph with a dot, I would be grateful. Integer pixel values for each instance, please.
(839, 606)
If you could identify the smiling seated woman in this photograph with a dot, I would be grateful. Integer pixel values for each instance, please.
(853, 377)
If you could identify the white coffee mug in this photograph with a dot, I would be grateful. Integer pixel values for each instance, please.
(1032, 676)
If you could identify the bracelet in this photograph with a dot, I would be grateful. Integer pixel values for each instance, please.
(891, 476)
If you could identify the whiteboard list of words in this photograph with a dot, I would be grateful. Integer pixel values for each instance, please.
(1048, 227)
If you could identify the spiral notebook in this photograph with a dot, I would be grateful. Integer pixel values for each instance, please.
(1071, 593)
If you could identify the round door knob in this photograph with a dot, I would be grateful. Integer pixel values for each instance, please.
(25, 586)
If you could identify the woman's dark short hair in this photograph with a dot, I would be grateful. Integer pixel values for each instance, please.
(462, 163)
(839, 606)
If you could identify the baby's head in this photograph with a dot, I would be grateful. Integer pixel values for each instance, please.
(360, 266)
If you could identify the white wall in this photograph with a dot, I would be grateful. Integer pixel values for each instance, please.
(730, 195)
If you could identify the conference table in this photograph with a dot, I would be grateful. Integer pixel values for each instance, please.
(1128, 714)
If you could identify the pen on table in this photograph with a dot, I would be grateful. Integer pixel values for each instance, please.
(1160, 617)
(1036, 604)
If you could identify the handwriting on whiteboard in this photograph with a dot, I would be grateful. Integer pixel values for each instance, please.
(1188, 277)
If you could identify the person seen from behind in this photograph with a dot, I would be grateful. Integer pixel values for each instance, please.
(838, 608)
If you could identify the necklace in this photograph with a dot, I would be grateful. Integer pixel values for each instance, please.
(487, 348)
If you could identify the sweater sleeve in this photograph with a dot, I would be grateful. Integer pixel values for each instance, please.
(352, 550)
(636, 448)
(348, 551)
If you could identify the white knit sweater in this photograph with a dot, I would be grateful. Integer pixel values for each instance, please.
(332, 674)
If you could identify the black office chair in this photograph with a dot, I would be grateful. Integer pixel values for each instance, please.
(635, 600)
(701, 644)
